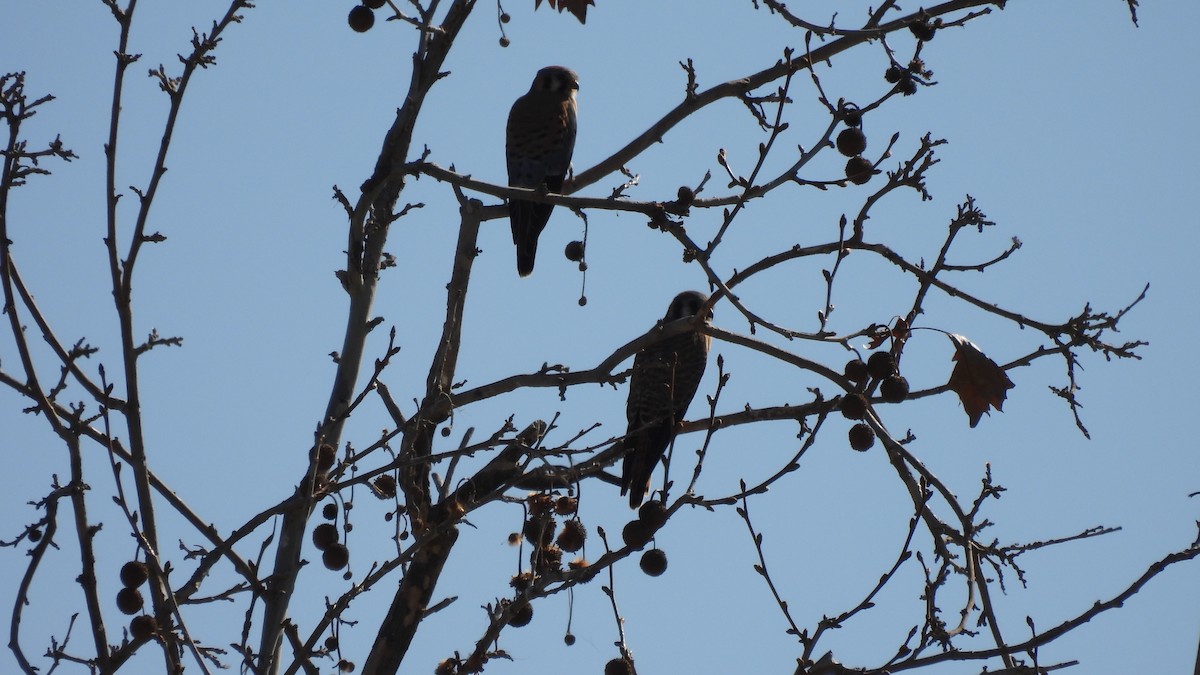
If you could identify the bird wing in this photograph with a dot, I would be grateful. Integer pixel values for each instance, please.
(540, 140)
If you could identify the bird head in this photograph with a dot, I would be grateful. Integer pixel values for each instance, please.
(556, 79)
(687, 304)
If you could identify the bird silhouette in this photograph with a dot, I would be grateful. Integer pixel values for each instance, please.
(664, 380)
(540, 141)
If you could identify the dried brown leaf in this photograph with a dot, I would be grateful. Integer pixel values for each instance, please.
(978, 381)
(578, 8)
(882, 334)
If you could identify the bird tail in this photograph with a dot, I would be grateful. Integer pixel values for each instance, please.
(634, 482)
(636, 497)
(528, 221)
(643, 451)
(526, 253)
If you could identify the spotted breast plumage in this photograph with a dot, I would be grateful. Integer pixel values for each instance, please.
(664, 380)
(540, 142)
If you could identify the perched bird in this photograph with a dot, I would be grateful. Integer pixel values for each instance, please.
(664, 380)
(540, 140)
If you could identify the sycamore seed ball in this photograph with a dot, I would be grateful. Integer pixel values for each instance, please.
(336, 557)
(134, 574)
(129, 600)
(853, 406)
(851, 142)
(361, 18)
(142, 627)
(521, 616)
(653, 513)
(858, 170)
(855, 371)
(881, 365)
(862, 437)
(618, 666)
(574, 251)
(894, 389)
(654, 562)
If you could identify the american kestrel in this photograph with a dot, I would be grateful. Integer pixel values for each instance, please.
(541, 138)
(664, 380)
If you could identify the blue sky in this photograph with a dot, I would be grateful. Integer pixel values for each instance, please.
(1070, 127)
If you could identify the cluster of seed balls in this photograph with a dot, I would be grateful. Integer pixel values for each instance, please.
(334, 554)
(893, 388)
(325, 537)
(550, 540)
(539, 530)
(851, 143)
(905, 77)
(637, 533)
(129, 599)
(362, 18)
